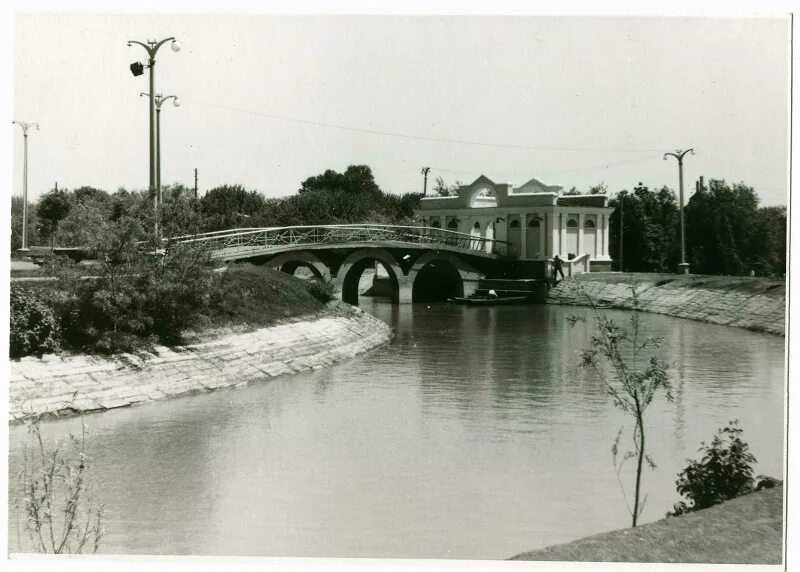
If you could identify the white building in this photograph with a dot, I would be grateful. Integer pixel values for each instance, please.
(535, 219)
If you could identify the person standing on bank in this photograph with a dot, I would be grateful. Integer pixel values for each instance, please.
(557, 268)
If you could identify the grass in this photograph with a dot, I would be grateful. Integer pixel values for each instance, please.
(745, 530)
(251, 296)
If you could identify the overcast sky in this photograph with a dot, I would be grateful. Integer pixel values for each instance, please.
(569, 100)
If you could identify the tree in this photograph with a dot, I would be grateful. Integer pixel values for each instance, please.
(650, 233)
(357, 179)
(442, 189)
(633, 382)
(16, 224)
(86, 193)
(230, 206)
(720, 223)
(599, 189)
(53, 207)
(768, 242)
(572, 191)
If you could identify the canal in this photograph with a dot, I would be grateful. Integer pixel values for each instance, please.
(473, 434)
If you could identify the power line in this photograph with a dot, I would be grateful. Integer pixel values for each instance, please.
(588, 168)
(415, 137)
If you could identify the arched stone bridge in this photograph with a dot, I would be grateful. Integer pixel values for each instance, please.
(423, 263)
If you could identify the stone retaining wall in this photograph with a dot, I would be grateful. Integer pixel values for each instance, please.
(47, 385)
(753, 303)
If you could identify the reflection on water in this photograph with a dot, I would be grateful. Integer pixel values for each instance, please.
(472, 435)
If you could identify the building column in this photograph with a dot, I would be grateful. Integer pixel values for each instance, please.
(543, 234)
(604, 250)
(545, 245)
(523, 235)
(581, 216)
(597, 236)
(561, 233)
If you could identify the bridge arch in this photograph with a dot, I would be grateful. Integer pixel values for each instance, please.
(436, 276)
(290, 261)
(350, 270)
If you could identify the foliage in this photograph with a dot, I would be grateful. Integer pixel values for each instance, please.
(633, 382)
(230, 206)
(651, 240)
(52, 208)
(134, 294)
(357, 179)
(725, 471)
(599, 189)
(324, 291)
(720, 221)
(34, 326)
(16, 224)
(726, 231)
(442, 189)
(56, 499)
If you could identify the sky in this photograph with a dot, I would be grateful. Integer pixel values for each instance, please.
(269, 100)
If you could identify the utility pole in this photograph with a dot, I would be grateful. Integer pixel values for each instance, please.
(425, 171)
(683, 267)
(195, 183)
(25, 126)
(621, 225)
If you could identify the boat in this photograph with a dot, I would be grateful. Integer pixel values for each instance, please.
(487, 301)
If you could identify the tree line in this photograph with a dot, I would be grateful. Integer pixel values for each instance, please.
(64, 218)
(726, 230)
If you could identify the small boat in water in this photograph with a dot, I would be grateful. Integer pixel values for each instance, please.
(489, 301)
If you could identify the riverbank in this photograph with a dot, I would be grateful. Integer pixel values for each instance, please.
(753, 303)
(47, 385)
(744, 530)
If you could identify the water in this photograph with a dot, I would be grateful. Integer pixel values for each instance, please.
(474, 434)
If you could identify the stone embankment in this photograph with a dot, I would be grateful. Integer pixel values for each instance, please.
(48, 384)
(744, 530)
(753, 303)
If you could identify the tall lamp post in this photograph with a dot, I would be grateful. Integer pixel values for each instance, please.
(25, 126)
(159, 100)
(152, 47)
(683, 267)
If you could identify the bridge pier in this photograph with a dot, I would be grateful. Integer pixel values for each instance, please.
(405, 291)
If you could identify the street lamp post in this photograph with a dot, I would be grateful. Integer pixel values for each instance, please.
(25, 126)
(159, 100)
(152, 47)
(683, 267)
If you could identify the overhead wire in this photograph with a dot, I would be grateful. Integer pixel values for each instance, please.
(415, 137)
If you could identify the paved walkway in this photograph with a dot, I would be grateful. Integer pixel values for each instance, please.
(48, 385)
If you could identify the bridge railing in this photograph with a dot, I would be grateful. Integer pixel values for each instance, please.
(256, 239)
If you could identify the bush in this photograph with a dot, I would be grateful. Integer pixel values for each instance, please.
(724, 472)
(322, 291)
(34, 326)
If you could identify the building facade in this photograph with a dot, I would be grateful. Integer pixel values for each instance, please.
(535, 219)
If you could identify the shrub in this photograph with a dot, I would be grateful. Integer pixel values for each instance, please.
(54, 494)
(724, 472)
(324, 291)
(34, 326)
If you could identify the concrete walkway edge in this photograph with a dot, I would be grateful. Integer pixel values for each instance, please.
(48, 384)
